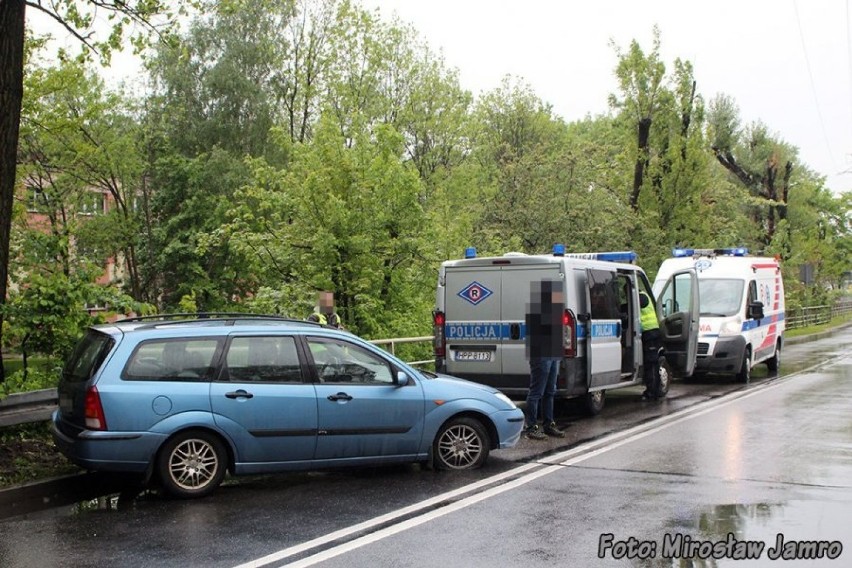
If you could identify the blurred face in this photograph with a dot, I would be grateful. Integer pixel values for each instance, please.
(326, 302)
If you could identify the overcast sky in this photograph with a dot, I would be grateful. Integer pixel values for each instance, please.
(787, 63)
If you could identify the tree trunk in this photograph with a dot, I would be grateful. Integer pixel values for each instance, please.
(643, 133)
(11, 95)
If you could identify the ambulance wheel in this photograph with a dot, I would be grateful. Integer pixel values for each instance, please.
(665, 376)
(594, 402)
(775, 361)
(744, 374)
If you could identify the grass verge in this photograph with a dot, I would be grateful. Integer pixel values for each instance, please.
(27, 454)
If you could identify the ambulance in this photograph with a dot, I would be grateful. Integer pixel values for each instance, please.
(480, 312)
(741, 320)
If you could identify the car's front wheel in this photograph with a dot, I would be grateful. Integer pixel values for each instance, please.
(461, 443)
(192, 464)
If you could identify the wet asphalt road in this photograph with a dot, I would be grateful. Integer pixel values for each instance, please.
(715, 458)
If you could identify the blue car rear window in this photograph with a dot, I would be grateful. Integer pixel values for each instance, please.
(87, 357)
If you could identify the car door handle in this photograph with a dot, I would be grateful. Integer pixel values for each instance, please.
(238, 394)
(339, 396)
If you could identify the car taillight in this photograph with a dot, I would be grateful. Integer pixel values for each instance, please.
(94, 412)
(569, 324)
(440, 346)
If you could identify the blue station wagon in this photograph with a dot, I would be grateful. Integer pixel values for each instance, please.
(184, 401)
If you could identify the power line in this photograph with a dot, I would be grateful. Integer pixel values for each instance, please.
(813, 86)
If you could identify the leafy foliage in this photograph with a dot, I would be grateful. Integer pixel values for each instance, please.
(292, 146)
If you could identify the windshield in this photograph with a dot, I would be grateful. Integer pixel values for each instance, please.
(720, 298)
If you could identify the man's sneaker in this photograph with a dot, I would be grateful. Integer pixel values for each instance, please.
(535, 433)
(552, 430)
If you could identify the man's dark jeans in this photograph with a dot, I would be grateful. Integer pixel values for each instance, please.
(543, 373)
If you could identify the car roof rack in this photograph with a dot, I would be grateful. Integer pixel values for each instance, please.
(201, 317)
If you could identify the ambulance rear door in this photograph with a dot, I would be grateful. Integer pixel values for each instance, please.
(514, 302)
(473, 328)
(678, 312)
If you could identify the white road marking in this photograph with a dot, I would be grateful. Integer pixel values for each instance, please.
(551, 464)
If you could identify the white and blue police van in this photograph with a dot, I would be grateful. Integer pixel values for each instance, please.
(480, 312)
(741, 321)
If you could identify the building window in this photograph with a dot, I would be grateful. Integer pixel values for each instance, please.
(93, 203)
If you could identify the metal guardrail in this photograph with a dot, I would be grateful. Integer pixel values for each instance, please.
(816, 315)
(26, 407)
(396, 341)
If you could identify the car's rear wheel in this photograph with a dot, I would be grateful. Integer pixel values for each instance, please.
(594, 402)
(461, 443)
(192, 464)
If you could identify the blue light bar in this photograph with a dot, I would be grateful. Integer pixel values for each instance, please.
(738, 251)
(682, 252)
(470, 252)
(615, 256)
(620, 256)
(558, 250)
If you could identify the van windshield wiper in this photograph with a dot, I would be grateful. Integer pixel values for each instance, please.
(713, 314)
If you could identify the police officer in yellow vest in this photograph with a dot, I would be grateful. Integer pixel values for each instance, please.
(651, 343)
(324, 312)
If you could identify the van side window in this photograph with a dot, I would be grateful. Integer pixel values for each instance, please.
(752, 292)
(172, 360)
(341, 362)
(263, 359)
(604, 295)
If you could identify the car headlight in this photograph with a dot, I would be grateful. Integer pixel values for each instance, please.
(505, 399)
(731, 328)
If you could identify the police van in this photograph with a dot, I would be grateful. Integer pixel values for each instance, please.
(481, 307)
(742, 308)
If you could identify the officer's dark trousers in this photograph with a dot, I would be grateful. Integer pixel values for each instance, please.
(651, 343)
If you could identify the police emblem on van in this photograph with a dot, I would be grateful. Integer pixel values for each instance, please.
(475, 293)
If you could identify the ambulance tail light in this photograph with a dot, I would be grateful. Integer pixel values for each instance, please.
(569, 323)
(439, 342)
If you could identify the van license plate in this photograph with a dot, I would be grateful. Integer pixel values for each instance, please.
(473, 356)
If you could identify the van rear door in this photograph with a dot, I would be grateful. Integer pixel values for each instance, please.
(514, 304)
(678, 312)
(473, 329)
(603, 331)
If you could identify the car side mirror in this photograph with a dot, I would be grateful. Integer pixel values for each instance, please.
(401, 379)
(755, 310)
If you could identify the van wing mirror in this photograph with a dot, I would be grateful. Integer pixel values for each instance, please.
(755, 310)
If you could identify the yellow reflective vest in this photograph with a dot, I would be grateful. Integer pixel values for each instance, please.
(648, 316)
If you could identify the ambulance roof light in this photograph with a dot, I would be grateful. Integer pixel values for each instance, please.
(685, 252)
(558, 250)
(470, 252)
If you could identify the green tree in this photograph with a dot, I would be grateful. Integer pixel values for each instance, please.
(344, 216)
(77, 18)
(641, 81)
(80, 157)
(762, 163)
